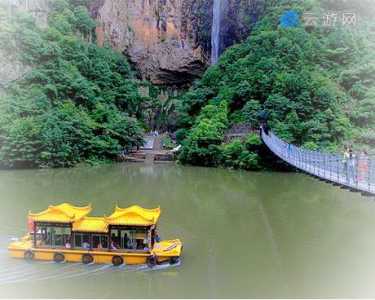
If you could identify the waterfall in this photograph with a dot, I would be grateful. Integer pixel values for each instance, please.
(215, 34)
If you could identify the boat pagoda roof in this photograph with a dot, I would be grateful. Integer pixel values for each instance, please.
(91, 224)
(134, 216)
(81, 222)
(63, 213)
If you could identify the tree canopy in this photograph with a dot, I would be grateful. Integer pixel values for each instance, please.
(77, 102)
(316, 85)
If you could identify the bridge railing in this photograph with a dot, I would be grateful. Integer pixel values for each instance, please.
(357, 173)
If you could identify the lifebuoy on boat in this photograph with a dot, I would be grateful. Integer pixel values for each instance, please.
(151, 261)
(58, 258)
(28, 255)
(87, 259)
(117, 261)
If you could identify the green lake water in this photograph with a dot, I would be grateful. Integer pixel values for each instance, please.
(245, 234)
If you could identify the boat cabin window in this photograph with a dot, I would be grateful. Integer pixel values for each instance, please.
(100, 241)
(53, 235)
(131, 239)
(82, 240)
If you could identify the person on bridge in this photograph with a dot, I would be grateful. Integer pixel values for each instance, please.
(363, 170)
(263, 118)
(351, 167)
(345, 162)
(289, 150)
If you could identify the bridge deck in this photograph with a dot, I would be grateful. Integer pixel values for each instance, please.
(357, 174)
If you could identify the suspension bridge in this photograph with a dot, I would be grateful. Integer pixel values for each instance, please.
(355, 174)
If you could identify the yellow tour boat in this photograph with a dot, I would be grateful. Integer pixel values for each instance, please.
(65, 233)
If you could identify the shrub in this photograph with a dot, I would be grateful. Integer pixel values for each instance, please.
(201, 146)
(238, 155)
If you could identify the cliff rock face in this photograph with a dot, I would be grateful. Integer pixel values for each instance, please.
(11, 68)
(37, 8)
(238, 18)
(168, 41)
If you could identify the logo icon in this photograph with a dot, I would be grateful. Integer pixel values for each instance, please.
(289, 18)
(349, 19)
(330, 19)
(309, 19)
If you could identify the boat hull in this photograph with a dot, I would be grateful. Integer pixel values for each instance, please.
(24, 249)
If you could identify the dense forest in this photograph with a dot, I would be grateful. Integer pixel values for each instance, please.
(316, 84)
(80, 102)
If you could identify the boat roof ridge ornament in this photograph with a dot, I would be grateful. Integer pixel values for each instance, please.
(62, 213)
(134, 215)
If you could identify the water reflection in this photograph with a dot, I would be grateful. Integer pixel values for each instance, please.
(245, 234)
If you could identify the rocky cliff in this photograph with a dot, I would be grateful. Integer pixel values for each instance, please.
(238, 18)
(168, 41)
(11, 68)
